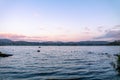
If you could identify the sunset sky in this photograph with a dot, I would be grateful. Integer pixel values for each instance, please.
(60, 20)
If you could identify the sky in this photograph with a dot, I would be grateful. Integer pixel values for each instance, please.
(60, 20)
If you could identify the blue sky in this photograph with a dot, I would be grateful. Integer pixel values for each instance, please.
(59, 20)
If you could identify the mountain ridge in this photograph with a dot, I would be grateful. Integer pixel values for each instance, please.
(57, 43)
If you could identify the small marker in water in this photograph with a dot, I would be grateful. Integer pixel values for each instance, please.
(38, 50)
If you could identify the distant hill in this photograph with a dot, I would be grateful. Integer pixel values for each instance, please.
(93, 42)
(117, 42)
(4, 42)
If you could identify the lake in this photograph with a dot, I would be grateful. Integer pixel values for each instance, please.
(59, 63)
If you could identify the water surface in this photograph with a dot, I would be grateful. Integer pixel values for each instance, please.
(59, 63)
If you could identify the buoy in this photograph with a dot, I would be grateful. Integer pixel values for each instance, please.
(38, 50)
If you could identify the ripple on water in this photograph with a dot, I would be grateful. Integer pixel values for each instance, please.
(58, 63)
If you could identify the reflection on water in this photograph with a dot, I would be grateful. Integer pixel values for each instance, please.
(59, 63)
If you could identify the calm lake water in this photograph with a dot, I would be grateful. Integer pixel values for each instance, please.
(59, 63)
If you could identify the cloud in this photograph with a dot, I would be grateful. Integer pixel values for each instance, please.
(87, 29)
(112, 34)
(109, 34)
(117, 27)
(58, 37)
(22, 37)
(100, 28)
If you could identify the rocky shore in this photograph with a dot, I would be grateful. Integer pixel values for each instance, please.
(4, 55)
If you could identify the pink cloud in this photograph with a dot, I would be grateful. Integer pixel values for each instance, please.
(62, 37)
(22, 37)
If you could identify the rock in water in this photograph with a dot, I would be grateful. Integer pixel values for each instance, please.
(38, 50)
(4, 55)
